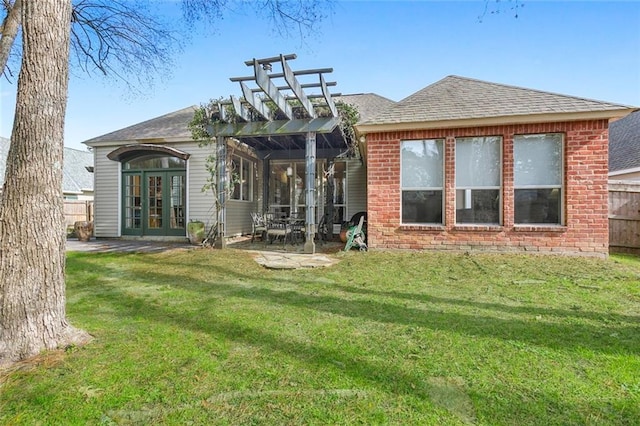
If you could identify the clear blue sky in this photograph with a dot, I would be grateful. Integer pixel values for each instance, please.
(589, 49)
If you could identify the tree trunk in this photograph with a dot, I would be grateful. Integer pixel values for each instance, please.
(32, 231)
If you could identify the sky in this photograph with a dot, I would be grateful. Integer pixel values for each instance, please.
(589, 49)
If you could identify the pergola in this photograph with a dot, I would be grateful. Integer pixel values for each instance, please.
(276, 113)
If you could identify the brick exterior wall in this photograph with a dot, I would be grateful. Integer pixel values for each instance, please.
(585, 195)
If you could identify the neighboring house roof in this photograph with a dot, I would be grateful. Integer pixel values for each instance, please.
(624, 143)
(174, 125)
(458, 100)
(76, 179)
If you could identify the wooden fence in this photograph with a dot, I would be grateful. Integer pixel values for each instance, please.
(77, 210)
(624, 216)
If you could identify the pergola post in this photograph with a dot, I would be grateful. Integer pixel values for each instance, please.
(310, 199)
(221, 189)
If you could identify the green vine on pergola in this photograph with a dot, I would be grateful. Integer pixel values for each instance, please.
(207, 115)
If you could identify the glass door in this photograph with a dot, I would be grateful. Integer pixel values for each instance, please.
(286, 188)
(154, 203)
(154, 223)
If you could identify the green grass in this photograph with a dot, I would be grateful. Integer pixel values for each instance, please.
(209, 337)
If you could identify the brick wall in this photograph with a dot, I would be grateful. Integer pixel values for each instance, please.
(585, 226)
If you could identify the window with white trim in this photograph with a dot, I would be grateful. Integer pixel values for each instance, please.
(242, 174)
(478, 177)
(537, 174)
(421, 181)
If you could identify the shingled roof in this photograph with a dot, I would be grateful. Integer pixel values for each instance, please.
(174, 125)
(624, 143)
(76, 178)
(367, 104)
(457, 98)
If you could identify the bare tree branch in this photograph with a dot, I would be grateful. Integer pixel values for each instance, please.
(10, 28)
(122, 39)
(134, 41)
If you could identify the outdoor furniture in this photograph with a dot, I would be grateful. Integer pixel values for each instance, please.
(356, 237)
(258, 225)
(277, 228)
(297, 228)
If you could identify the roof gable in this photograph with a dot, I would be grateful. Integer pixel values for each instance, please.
(460, 98)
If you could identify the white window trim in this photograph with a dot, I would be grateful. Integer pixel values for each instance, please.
(498, 187)
(426, 188)
(243, 161)
(562, 201)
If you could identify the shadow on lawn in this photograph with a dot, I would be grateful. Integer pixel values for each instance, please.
(527, 310)
(382, 375)
(436, 314)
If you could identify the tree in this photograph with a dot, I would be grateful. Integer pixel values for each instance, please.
(32, 293)
(110, 36)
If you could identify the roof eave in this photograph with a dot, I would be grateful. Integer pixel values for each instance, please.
(624, 171)
(495, 121)
(115, 142)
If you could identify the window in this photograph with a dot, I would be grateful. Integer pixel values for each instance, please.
(478, 163)
(154, 161)
(242, 172)
(538, 178)
(422, 176)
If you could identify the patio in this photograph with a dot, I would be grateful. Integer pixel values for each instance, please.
(271, 256)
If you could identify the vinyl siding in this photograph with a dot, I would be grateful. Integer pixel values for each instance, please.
(106, 194)
(200, 205)
(356, 187)
(239, 217)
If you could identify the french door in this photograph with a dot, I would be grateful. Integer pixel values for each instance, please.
(154, 203)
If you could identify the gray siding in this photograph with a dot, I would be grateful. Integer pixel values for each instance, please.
(356, 187)
(200, 204)
(106, 194)
(239, 217)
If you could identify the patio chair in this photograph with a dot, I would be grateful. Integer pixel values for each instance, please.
(297, 229)
(356, 237)
(278, 228)
(258, 226)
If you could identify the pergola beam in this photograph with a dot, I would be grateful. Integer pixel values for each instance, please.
(265, 83)
(241, 111)
(328, 98)
(255, 101)
(296, 88)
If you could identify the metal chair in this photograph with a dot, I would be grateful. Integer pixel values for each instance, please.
(258, 226)
(277, 228)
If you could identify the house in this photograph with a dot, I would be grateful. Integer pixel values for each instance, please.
(466, 164)
(624, 148)
(462, 164)
(149, 177)
(77, 178)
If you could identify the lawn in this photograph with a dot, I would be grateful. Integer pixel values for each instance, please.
(209, 337)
